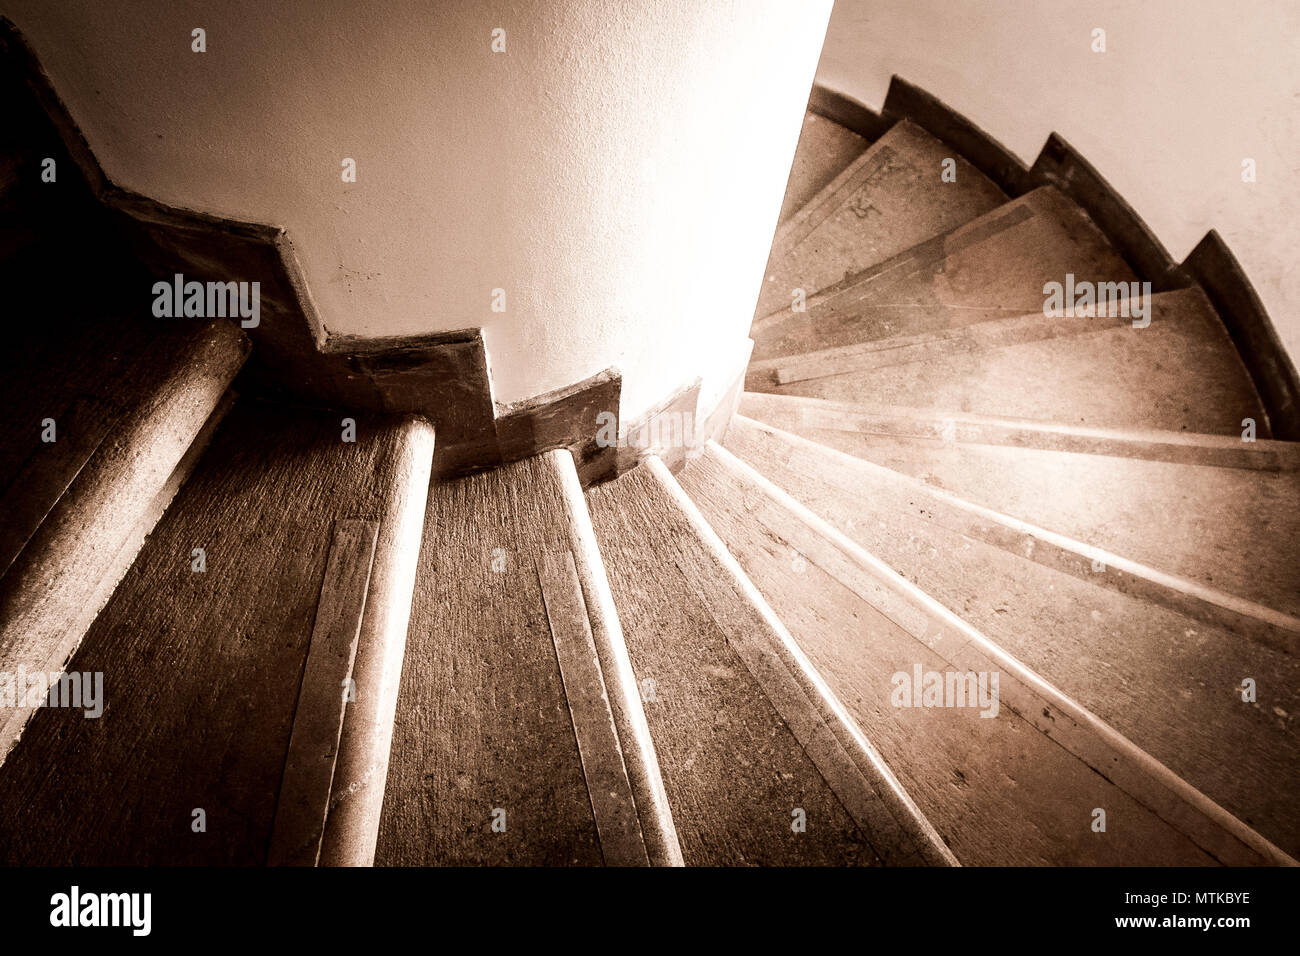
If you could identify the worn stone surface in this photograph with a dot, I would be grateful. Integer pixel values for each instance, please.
(994, 266)
(1231, 529)
(1169, 682)
(612, 801)
(906, 349)
(86, 518)
(1052, 549)
(201, 669)
(304, 799)
(733, 769)
(999, 790)
(825, 149)
(1178, 374)
(850, 426)
(889, 199)
(482, 721)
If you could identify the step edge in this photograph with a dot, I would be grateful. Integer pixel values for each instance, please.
(1042, 200)
(1287, 452)
(1144, 762)
(120, 484)
(781, 242)
(1191, 590)
(11, 729)
(905, 811)
(351, 830)
(792, 232)
(307, 777)
(640, 759)
(1054, 326)
(603, 764)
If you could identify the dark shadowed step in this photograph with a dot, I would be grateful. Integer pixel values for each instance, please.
(995, 266)
(1019, 777)
(825, 148)
(748, 744)
(203, 645)
(889, 199)
(41, 194)
(1169, 682)
(506, 748)
(21, 206)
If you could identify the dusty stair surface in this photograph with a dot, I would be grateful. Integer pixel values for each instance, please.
(519, 737)
(857, 427)
(1048, 548)
(1168, 681)
(994, 266)
(270, 597)
(749, 741)
(106, 413)
(890, 198)
(1019, 787)
(1234, 529)
(1179, 372)
(825, 148)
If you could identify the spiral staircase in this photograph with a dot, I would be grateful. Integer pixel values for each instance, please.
(314, 654)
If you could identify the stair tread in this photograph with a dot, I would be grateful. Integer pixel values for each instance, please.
(1114, 652)
(1181, 305)
(483, 721)
(734, 766)
(994, 266)
(75, 510)
(825, 149)
(887, 200)
(1248, 618)
(202, 670)
(841, 360)
(850, 425)
(1179, 374)
(1233, 529)
(1019, 788)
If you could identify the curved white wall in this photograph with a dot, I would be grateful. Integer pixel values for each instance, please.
(1185, 90)
(618, 170)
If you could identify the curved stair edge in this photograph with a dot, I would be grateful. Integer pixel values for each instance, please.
(1256, 621)
(930, 846)
(1157, 787)
(793, 413)
(1211, 265)
(356, 796)
(657, 827)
